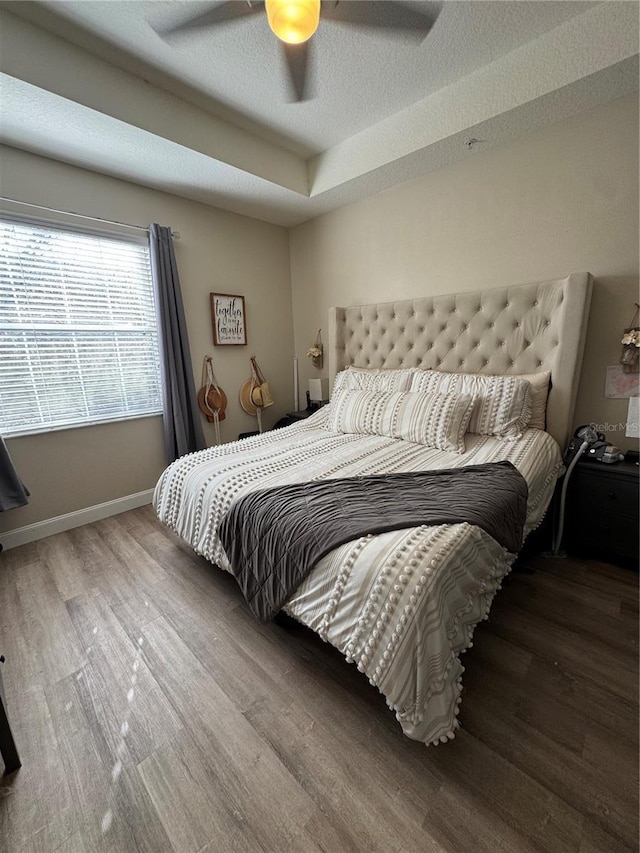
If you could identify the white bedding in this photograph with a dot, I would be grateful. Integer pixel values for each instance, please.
(401, 605)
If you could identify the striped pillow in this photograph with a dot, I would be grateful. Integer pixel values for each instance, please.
(503, 403)
(373, 379)
(436, 420)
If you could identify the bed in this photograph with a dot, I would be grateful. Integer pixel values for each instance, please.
(402, 605)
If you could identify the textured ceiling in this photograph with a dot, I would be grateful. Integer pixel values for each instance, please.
(206, 115)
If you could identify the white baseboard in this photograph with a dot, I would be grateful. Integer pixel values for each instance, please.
(40, 529)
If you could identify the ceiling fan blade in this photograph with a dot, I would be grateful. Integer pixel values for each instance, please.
(298, 57)
(221, 13)
(382, 14)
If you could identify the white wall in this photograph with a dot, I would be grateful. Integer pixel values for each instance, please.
(561, 200)
(218, 251)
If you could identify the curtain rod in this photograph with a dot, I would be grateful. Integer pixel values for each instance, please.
(174, 234)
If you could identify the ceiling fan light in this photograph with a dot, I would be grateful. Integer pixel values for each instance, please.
(293, 21)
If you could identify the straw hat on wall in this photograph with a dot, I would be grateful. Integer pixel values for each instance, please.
(245, 398)
(253, 396)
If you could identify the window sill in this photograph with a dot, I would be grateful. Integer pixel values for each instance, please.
(61, 427)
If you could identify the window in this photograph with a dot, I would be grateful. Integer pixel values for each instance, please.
(78, 337)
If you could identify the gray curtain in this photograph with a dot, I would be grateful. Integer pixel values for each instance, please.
(12, 492)
(182, 427)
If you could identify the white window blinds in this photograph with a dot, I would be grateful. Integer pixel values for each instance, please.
(78, 337)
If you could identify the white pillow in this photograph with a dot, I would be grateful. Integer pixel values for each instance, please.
(373, 379)
(503, 403)
(436, 420)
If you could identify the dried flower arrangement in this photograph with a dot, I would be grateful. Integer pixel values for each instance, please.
(630, 355)
(316, 352)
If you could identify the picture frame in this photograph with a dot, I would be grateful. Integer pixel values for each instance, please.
(228, 319)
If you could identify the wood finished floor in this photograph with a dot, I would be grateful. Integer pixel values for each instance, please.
(154, 714)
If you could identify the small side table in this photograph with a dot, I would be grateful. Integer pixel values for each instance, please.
(8, 748)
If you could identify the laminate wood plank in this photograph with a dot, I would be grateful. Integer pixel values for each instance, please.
(93, 789)
(562, 587)
(248, 767)
(267, 644)
(15, 558)
(593, 575)
(539, 710)
(584, 696)
(145, 511)
(186, 567)
(127, 702)
(189, 802)
(328, 836)
(140, 516)
(36, 809)
(616, 759)
(282, 648)
(65, 566)
(22, 670)
(144, 526)
(117, 807)
(67, 706)
(542, 818)
(131, 554)
(241, 677)
(459, 818)
(73, 844)
(108, 572)
(206, 605)
(342, 781)
(48, 623)
(569, 648)
(536, 594)
(499, 654)
(558, 768)
(629, 609)
(133, 615)
(134, 805)
(596, 840)
(94, 620)
(608, 753)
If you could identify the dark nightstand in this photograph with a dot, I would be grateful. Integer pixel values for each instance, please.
(602, 511)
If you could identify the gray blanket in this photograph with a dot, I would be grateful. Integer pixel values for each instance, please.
(274, 537)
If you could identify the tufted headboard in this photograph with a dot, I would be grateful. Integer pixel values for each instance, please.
(528, 328)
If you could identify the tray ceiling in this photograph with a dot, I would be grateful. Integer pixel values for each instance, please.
(207, 115)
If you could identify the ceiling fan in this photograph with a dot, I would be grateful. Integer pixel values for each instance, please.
(295, 21)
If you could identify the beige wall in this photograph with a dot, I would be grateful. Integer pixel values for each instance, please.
(557, 201)
(561, 200)
(71, 469)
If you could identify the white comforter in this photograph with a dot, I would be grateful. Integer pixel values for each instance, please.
(401, 605)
